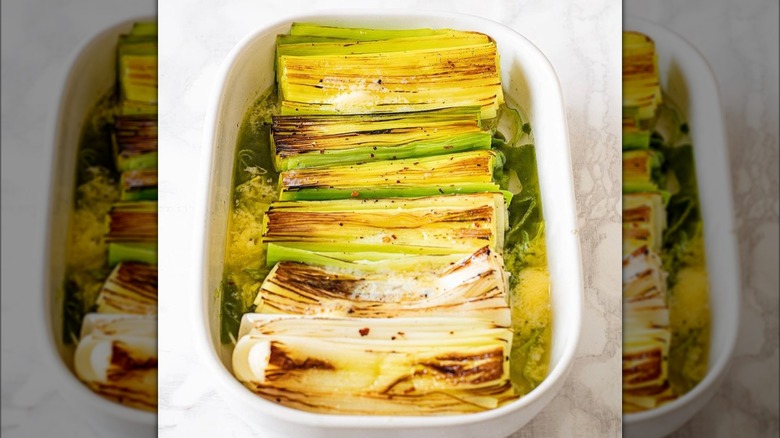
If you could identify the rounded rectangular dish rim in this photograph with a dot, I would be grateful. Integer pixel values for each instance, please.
(204, 338)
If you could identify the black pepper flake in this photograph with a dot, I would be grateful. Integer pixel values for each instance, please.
(341, 224)
(441, 191)
(372, 155)
(374, 147)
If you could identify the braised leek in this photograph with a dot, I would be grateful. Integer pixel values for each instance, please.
(326, 140)
(117, 358)
(133, 222)
(641, 170)
(641, 84)
(475, 286)
(444, 224)
(131, 288)
(392, 73)
(137, 67)
(466, 172)
(135, 142)
(644, 221)
(399, 366)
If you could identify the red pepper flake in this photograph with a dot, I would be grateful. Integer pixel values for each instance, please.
(364, 331)
(355, 194)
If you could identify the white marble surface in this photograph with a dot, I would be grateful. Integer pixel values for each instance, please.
(581, 40)
(740, 42)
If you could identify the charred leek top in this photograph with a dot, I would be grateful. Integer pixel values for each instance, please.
(326, 140)
(444, 224)
(395, 71)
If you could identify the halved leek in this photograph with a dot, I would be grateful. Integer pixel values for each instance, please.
(135, 141)
(131, 288)
(137, 69)
(117, 358)
(644, 220)
(634, 137)
(466, 172)
(133, 222)
(444, 224)
(399, 366)
(414, 73)
(475, 286)
(326, 140)
(641, 87)
(640, 170)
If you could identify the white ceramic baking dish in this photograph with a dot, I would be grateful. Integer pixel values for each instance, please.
(688, 80)
(530, 81)
(92, 74)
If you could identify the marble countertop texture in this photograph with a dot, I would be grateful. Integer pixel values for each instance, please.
(739, 40)
(580, 40)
